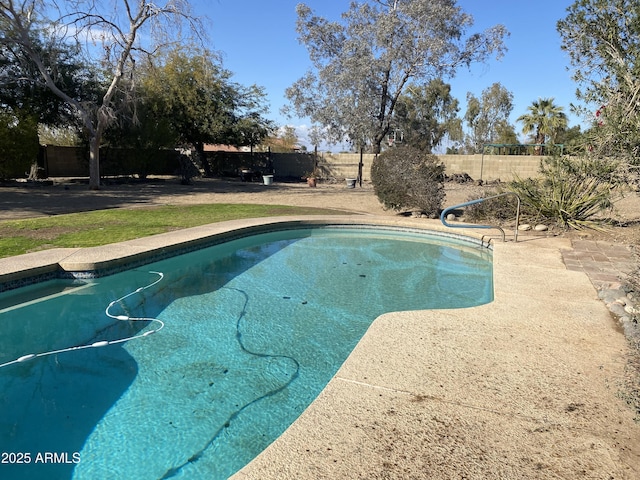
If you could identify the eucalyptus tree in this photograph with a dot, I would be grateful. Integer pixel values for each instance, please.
(363, 63)
(487, 117)
(425, 114)
(602, 38)
(544, 119)
(110, 35)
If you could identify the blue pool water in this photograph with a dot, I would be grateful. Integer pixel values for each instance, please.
(253, 330)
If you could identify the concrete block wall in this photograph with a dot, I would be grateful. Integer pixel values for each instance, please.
(68, 161)
(493, 167)
(63, 161)
(292, 164)
(345, 165)
(478, 167)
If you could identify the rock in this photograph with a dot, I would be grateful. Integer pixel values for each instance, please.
(541, 228)
(525, 227)
(617, 309)
(612, 295)
(451, 217)
(460, 178)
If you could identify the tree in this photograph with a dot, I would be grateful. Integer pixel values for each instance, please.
(23, 106)
(488, 117)
(18, 91)
(285, 141)
(505, 134)
(252, 127)
(363, 63)
(124, 35)
(315, 137)
(545, 119)
(428, 113)
(34, 108)
(572, 140)
(602, 38)
(65, 135)
(137, 139)
(150, 129)
(18, 144)
(192, 89)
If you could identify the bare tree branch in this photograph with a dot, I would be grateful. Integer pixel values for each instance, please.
(106, 39)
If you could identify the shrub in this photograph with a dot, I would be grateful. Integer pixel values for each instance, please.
(569, 192)
(498, 209)
(405, 178)
(18, 145)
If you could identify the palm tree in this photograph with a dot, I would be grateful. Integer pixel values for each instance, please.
(545, 119)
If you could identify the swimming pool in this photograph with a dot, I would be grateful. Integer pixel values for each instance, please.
(253, 330)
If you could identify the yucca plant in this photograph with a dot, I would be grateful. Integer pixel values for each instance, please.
(569, 191)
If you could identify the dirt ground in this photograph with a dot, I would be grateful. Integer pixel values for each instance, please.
(30, 200)
(33, 199)
(63, 195)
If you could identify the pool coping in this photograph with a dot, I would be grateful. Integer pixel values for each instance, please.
(93, 262)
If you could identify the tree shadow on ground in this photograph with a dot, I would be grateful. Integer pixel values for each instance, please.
(27, 199)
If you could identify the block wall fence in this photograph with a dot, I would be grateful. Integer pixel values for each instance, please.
(478, 167)
(70, 162)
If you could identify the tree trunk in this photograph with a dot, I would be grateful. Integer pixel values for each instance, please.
(377, 143)
(94, 162)
(360, 165)
(202, 158)
(537, 150)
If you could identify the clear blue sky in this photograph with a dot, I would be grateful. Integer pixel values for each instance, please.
(259, 45)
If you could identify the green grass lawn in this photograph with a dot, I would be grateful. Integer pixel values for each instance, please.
(90, 229)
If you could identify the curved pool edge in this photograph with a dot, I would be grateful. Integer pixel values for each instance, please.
(91, 262)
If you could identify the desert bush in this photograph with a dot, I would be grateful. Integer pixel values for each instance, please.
(405, 178)
(494, 209)
(569, 191)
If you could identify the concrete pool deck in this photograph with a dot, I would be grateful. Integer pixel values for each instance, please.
(525, 387)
